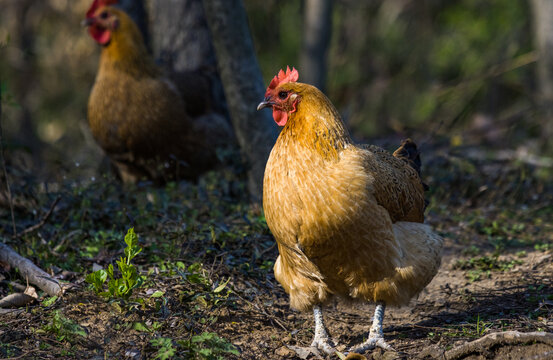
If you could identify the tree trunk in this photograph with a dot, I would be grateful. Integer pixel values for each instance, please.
(543, 33)
(317, 28)
(22, 38)
(255, 130)
(180, 36)
(181, 43)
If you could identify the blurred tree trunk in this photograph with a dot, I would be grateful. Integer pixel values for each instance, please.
(181, 42)
(255, 130)
(317, 28)
(22, 38)
(180, 36)
(543, 33)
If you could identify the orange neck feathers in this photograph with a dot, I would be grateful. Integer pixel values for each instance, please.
(126, 50)
(316, 123)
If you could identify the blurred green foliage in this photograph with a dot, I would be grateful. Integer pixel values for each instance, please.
(394, 66)
(398, 64)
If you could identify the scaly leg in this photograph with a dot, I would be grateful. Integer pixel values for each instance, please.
(376, 335)
(321, 340)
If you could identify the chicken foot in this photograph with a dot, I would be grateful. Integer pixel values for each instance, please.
(321, 340)
(376, 335)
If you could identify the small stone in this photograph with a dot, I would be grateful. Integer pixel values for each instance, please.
(284, 352)
(132, 354)
(391, 355)
(432, 351)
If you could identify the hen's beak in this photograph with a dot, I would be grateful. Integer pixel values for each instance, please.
(87, 22)
(265, 103)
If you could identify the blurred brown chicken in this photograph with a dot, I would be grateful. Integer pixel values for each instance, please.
(348, 218)
(138, 116)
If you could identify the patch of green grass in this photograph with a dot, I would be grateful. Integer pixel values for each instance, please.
(207, 345)
(521, 254)
(502, 228)
(471, 251)
(543, 247)
(477, 267)
(478, 274)
(473, 330)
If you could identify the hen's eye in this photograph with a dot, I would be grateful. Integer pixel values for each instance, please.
(283, 95)
(104, 15)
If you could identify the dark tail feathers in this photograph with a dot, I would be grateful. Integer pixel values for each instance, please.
(409, 152)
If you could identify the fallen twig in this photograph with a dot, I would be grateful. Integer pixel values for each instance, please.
(15, 285)
(11, 311)
(483, 344)
(33, 273)
(40, 223)
(16, 300)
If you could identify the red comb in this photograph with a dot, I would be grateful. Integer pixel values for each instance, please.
(99, 3)
(284, 77)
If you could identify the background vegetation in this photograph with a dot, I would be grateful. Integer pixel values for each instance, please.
(394, 66)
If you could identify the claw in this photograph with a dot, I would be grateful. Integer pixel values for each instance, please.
(376, 336)
(323, 344)
(321, 340)
(370, 344)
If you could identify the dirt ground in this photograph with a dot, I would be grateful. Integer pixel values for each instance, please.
(444, 316)
(495, 276)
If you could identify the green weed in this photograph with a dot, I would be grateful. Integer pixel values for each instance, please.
(208, 346)
(63, 328)
(483, 265)
(471, 251)
(481, 327)
(543, 247)
(470, 330)
(201, 288)
(130, 279)
(476, 275)
(49, 301)
(166, 348)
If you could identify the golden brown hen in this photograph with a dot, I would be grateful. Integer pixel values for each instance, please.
(348, 219)
(137, 115)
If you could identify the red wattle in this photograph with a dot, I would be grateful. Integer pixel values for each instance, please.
(280, 117)
(101, 35)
